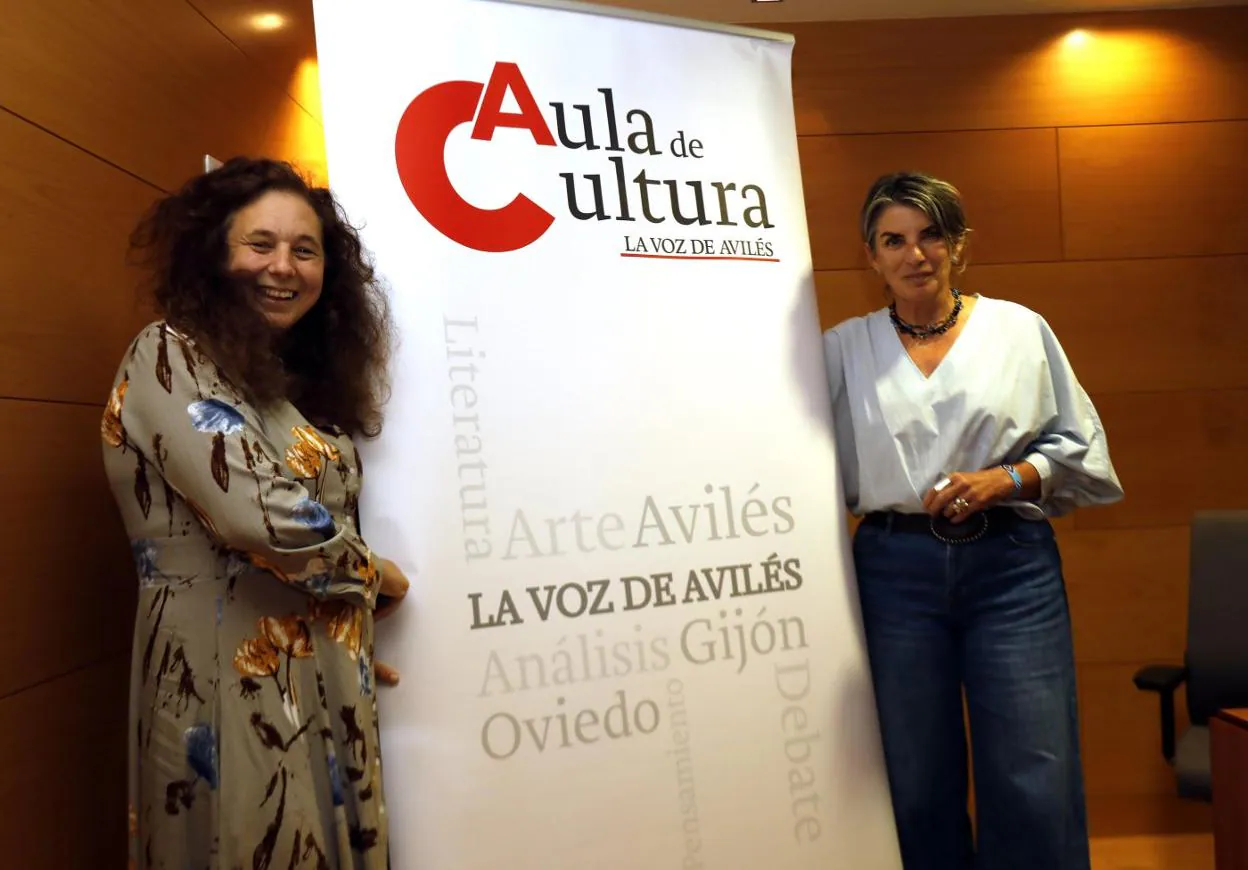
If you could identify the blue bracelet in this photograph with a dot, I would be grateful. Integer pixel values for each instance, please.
(1014, 476)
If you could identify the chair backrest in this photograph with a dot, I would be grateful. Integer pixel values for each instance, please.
(1217, 620)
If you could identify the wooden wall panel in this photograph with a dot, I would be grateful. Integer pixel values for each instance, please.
(148, 85)
(1128, 593)
(70, 571)
(63, 757)
(1135, 325)
(1176, 453)
(1012, 71)
(69, 305)
(1155, 191)
(1009, 179)
(847, 293)
(1126, 325)
(1121, 733)
(101, 105)
(285, 47)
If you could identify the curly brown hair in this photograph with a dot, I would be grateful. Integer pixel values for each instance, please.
(332, 364)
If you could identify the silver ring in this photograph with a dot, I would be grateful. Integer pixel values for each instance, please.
(960, 504)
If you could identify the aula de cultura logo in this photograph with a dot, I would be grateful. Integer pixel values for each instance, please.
(620, 191)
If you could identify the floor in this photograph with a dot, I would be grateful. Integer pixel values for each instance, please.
(1150, 834)
(1153, 852)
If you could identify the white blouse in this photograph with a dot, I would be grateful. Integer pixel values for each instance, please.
(1005, 392)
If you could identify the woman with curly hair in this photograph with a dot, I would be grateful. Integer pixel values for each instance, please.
(228, 444)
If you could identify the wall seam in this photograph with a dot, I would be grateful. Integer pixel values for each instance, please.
(77, 147)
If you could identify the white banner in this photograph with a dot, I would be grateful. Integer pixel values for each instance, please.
(633, 638)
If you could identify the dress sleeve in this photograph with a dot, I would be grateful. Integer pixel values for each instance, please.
(842, 420)
(172, 406)
(1071, 454)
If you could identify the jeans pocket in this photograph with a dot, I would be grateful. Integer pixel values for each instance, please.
(866, 541)
(1032, 534)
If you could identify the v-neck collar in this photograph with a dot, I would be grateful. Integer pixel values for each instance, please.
(957, 342)
(905, 401)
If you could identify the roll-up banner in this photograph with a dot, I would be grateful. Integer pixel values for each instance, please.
(633, 637)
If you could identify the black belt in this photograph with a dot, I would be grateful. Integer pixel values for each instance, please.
(974, 527)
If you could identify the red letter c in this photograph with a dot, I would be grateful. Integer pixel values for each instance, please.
(420, 147)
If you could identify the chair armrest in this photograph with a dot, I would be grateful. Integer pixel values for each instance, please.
(1164, 680)
(1160, 678)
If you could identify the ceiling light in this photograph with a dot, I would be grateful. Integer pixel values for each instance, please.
(1077, 38)
(268, 21)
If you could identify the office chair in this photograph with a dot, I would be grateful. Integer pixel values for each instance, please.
(1215, 665)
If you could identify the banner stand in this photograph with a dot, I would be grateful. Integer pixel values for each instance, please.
(633, 639)
(625, 14)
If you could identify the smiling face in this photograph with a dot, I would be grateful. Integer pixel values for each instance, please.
(276, 250)
(911, 254)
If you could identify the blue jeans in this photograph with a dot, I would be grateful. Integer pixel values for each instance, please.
(988, 616)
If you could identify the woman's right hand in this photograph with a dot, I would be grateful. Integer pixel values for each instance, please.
(394, 586)
(386, 675)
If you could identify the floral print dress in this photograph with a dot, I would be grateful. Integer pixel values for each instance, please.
(253, 722)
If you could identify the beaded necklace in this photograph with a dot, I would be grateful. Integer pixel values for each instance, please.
(931, 330)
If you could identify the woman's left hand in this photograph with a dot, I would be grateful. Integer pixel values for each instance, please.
(968, 492)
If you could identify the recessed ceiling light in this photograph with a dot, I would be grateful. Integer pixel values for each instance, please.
(268, 21)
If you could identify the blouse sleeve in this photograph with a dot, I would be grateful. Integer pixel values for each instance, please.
(842, 423)
(1071, 454)
(211, 447)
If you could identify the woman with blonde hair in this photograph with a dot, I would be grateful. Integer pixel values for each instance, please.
(961, 429)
